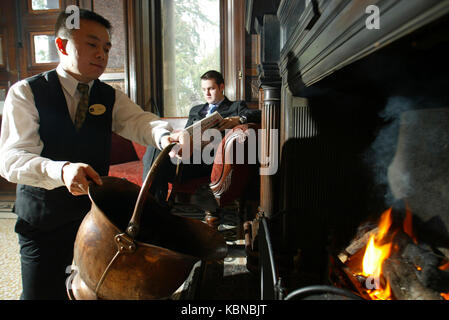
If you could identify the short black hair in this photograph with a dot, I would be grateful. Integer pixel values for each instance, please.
(212, 74)
(62, 31)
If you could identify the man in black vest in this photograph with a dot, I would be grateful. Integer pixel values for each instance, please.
(233, 112)
(56, 137)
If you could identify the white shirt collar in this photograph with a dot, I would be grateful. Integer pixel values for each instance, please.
(216, 104)
(68, 82)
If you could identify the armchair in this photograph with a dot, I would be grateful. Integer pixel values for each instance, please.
(234, 174)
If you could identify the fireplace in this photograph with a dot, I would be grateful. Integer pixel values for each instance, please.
(363, 131)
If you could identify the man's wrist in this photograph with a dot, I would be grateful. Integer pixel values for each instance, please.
(160, 139)
(62, 171)
(243, 119)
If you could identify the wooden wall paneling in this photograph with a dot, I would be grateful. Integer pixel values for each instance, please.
(240, 38)
(8, 71)
(145, 54)
(156, 98)
(224, 37)
(17, 24)
(2, 49)
(86, 4)
(251, 62)
(28, 23)
(131, 36)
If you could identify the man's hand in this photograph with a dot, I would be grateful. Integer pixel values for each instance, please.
(184, 142)
(228, 123)
(165, 141)
(76, 177)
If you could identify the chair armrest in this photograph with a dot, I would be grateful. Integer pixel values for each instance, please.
(236, 160)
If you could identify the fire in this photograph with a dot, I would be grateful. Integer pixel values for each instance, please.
(381, 294)
(378, 250)
(444, 266)
(375, 255)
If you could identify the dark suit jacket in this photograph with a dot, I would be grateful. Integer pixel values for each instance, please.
(226, 109)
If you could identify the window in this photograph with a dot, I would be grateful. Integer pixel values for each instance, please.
(2, 98)
(44, 48)
(44, 5)
(191, 46)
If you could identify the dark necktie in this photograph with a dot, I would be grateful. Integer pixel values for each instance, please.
(82, 105)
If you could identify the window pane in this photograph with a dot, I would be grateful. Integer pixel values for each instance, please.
(2, 99)
(191, 46)
(44, 4)
(45, 49)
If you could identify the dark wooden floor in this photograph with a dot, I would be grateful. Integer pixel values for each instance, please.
(228, 279)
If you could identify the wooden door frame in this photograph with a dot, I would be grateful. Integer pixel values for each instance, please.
(233, 43)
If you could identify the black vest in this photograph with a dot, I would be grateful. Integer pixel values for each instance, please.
(47, 209)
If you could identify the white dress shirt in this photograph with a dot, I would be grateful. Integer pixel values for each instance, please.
(21, 146)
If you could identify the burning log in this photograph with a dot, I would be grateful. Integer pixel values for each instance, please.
(427, 267)
(404, 283)
(412, 271)
(389, 262)
(359, 242)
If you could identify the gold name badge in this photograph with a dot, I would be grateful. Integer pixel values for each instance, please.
(97, 109)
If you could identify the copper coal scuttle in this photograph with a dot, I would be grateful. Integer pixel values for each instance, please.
(130, 247)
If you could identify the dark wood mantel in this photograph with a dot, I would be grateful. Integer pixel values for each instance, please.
(325, 36)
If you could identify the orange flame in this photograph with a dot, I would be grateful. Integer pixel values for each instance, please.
(381, 294)
(444, 266)
(375, 255)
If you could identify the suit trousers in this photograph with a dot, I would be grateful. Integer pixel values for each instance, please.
(45, 258)
(167, 173)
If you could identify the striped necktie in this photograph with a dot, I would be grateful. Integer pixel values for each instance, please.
(82, 105)
(212, 108)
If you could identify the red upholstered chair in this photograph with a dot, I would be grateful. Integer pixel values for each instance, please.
(126, 159)
(126, 156)
(235, 173)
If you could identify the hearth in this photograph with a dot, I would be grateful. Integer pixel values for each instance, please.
(356, 140)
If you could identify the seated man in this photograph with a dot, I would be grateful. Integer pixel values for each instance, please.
(233, 113)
